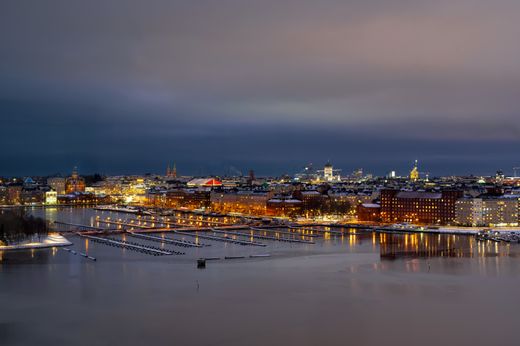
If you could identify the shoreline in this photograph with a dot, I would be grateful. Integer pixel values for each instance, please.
(52, 240)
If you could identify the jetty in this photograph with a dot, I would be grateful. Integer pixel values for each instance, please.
(266, 237)
(182, 243)
(223, 239)
(149, 250)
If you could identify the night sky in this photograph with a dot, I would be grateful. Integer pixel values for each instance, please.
(128, 86)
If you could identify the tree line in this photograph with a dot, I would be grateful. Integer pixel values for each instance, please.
(16, 225)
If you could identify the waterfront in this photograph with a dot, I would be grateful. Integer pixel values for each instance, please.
(362, 288)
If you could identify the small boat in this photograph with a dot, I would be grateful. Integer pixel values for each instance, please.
(201, 263)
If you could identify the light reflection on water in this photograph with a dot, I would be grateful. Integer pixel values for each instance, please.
(337, 290)
(394, 246)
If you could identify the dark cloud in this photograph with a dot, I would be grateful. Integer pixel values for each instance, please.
(124, 86)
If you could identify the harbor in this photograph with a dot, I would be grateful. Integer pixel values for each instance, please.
(211, 265)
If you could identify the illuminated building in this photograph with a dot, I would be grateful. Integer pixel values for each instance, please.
(247, 202)
(82, 198)
(51, 197)
(499, 177)
(31, 195)
(358, 174)
(329, 174)
(419, 206)
(204, 182)
(352, 199)
(74, 183)
(369, 212)
(14, 193)
(488, 211)
(57, 184)
(171, 172)
(414, 173)
(179, 198)
(3, 195)
(313, 202)
(284, 206)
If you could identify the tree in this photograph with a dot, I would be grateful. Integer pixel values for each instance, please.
(17, 226)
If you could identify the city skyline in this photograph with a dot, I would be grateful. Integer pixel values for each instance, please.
(269, 86)
(231, 170)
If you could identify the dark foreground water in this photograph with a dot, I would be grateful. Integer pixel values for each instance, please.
(359, 289)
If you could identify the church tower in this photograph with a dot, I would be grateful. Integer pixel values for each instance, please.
(414, 173)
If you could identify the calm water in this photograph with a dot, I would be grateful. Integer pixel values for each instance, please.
(359, 289)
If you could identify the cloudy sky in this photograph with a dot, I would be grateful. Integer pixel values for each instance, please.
(126, 86)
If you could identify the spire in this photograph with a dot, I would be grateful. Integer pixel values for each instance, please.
(174, 171)
(168, 170)
(414, 173)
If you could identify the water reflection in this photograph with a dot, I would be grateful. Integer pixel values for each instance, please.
(394, 246)
(40, 256)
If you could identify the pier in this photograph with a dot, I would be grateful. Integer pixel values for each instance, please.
(80, 227)
(131, 246)
(317, 230)
(81, 254)
(182, 243)
(223, 239)
(266, 237)
(273, 230)
(128, 224)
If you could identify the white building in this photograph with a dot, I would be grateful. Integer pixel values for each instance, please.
(51, 197)
(329, 174)
(488, 211)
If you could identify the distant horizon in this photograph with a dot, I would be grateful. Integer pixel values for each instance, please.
(233, 171)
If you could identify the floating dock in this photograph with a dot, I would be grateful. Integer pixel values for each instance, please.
(224, 239)
(273, 230)
(321, 231)
(131, 246)
(127, 224)
(266, 237)
(182, 243)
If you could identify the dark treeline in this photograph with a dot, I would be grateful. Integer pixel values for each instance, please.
(17, 226)
(93, 178)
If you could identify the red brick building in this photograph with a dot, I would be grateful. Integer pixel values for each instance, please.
(370, 212)
(419, 207)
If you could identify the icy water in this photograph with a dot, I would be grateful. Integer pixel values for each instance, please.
(357, 289)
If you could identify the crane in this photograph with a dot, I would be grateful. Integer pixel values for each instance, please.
(515, 171)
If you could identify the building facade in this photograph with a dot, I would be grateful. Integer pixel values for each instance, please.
(246, 202)
(74, 183)
(419, 207)
(488, 211)
(57, 184)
